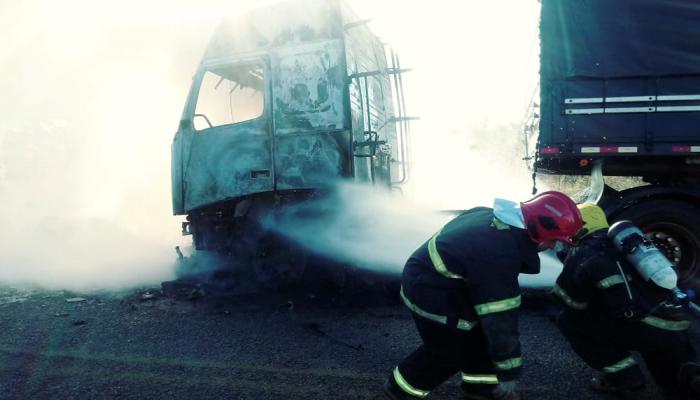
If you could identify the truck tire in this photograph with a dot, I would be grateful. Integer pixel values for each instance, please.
(674, 227)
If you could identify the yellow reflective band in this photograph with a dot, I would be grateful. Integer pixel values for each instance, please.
(406, 387)
(487, 379)
(500, 225)
(498, 306)
(437, 260)
(666, 324)
(433, 317)
(612, 281)
(620, 365)
(508, 364)
(568, 300)
(461, 324)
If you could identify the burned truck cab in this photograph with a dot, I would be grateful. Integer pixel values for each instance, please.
(287, 101)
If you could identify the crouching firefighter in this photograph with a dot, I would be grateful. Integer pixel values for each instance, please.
(462, 289)
(615, 303)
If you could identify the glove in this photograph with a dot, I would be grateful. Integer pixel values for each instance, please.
(505, 390)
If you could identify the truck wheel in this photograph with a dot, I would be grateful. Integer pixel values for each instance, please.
(674, 227)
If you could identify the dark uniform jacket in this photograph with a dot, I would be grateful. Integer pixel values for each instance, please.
(466, 277)
(598, 283)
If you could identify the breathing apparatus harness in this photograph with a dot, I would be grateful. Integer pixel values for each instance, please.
(634, 248)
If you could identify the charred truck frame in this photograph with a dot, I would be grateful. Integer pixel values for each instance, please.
(620, 96)
(286, 101)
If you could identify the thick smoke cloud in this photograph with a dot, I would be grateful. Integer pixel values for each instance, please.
(91, 96)
(373, 229)
(360, 225)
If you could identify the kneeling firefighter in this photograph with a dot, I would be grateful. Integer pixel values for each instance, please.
(462, 289)
(614, 304)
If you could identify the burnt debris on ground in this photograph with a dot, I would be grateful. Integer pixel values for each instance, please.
(224, 276)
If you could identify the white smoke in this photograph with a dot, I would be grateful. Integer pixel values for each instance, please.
(550, 267)
(360, 225)
(373, 229)
(91, 98)
(91, 95)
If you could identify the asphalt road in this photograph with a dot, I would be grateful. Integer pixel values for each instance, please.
(296, 345)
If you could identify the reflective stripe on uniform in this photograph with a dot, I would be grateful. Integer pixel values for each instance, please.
(612, 281)
(437, 260)
(666, 324)
(620, 365)
(498, 306)
(406, 387)
(568, 300)
(461, 323)
(508, 364)
(484, 379)
(465, 325)
(500, 225)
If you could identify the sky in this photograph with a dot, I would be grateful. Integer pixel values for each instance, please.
(474, 71)
(92, 92)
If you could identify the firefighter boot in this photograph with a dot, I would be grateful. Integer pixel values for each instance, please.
(624, 388)
(689, 379)
(485, 392)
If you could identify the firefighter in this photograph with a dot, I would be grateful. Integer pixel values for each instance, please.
(462, 289)
(609, 310)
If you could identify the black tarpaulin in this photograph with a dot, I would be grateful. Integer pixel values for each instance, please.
(615, 48)
(617, 38)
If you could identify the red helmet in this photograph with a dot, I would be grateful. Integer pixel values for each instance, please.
(551, 216)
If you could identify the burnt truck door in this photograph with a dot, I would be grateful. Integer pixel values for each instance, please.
(312, 139)
(371, 98)
(229, 153)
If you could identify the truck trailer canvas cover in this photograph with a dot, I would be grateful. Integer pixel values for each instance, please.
(620, 73)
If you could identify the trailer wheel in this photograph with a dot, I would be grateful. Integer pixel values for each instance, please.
(674, 227)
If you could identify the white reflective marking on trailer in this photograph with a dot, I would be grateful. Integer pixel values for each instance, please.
(628, 99)
(586, 111)
(695, 149)
(625, 99)
(679, 97)
(617, 110)
(677, 108)
(627, 149)
(583, 100)
(590, 149)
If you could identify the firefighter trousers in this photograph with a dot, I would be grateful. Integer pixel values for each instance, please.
(605, 345)
(446, 351)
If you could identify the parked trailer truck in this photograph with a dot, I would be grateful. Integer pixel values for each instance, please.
(620, 89)
(287, 100)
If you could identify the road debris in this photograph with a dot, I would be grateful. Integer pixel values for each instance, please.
(183, 289)
(79, 322)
